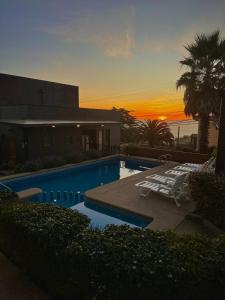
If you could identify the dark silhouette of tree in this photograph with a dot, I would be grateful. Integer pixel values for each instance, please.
(156, 133)
(202, 81)
(129, 127)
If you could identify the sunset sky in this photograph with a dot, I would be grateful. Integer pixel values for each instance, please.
(121, 53)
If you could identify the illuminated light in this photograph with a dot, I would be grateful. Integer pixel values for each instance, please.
(102, 125)
(53, 126)
(162, 118)
(78, 125)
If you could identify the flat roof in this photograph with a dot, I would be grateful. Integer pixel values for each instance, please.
(37, 79)
(32, 123)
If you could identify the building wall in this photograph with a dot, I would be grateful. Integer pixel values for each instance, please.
(59, 143)
(16, 90)
(11, 134)
(59, 139)
(46, 112)
(30, 99)
(114, 134)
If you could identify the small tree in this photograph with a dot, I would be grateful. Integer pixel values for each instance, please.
(156, 133)
(129, 126)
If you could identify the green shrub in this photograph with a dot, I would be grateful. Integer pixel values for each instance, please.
(33, 165)
(130, 149)
(19, 168)
(6, 196)
(38, 164)
(53, 161)
(75, 157)
(208, 190)
(92, 154)
(125, 263)
(35, 236)
(61, 253)
(6, 166)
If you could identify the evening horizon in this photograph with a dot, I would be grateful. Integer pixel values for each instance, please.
(120, 54)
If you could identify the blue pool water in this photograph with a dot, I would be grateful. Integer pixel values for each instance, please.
(66, 187)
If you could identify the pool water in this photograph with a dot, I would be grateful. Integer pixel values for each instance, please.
(66, 187)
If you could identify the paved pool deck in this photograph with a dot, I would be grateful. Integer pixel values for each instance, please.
(15, 285)
(123, 194)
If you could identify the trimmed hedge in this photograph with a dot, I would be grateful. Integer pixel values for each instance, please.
(130, 263)
(55, 161)
(175, 155)
(208, 190)
(61, 253)
(35, 236)
(6, 196)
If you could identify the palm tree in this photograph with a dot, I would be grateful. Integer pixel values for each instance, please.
(156, 132)
(201, 82)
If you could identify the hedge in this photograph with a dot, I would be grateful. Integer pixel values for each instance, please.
(6, 196)
(71, 260)
(175, 155)
(52, 161)
(35, 236)
(208, 191)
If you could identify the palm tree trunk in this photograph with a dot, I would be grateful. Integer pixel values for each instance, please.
(203, 133)
(220, 157)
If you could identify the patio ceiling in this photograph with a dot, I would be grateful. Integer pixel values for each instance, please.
(41, 123)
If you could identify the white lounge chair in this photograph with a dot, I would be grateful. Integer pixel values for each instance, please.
(176, 173)
(184, 168)
(192, 165)
(178, 190)
(208, 166)
(162, 179)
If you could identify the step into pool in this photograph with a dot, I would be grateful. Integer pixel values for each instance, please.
(66, 187)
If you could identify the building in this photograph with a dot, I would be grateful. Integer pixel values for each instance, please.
(41, 118)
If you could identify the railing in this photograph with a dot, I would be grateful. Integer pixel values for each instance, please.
(4, 187)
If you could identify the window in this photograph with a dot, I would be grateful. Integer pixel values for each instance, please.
(69, 140)
(47, 141)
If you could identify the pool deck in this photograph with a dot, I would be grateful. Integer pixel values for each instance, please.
(123, 194)
(15, 285)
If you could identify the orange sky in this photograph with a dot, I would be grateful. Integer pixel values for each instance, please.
(120, 53)
(164, 107)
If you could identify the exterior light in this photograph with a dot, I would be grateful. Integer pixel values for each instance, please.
(102, 125)
(78, 125)
(53, 126)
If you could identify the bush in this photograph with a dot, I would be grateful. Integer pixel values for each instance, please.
(33, 165)
(20, 168)
(130, 149)
(35, 236)
(6, 166)
(75, 157)
(6, 196)
(53, 161)
(125, 263)
(208, 190)
(57, 249)
(92, 154)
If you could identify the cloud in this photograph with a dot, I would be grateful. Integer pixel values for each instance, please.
(110, 32)
(119, 46)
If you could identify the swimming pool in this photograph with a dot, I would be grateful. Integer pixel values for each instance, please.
(66, 187)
